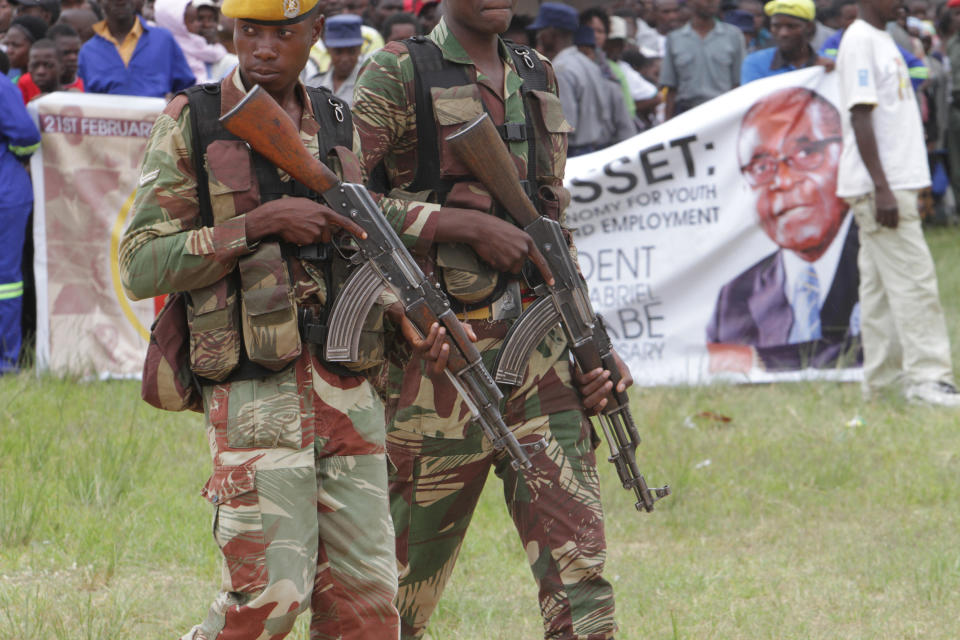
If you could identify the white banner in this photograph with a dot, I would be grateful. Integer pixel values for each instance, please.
(714, 245)
(84, 179)
(698, 238)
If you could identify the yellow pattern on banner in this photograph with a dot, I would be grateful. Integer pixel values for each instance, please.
(115, 235)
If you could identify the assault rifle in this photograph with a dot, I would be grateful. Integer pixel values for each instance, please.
(263, 124)
(566, 302)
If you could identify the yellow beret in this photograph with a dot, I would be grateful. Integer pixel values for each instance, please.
(280, 11)
(803, 9)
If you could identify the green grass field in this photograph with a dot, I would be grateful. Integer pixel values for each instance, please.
(786, 522)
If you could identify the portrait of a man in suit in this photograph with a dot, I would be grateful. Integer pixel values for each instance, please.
(797, 307)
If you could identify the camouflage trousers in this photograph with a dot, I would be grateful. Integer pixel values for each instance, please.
(442, 464)
(299, 489)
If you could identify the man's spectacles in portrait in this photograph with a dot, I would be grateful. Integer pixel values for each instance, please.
(808, 156)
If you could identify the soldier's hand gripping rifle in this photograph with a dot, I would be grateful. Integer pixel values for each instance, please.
(263, 124)
(479, 146)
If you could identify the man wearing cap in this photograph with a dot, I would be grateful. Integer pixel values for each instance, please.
(792, 26)
(343, 41)
(640, 94)
(372, 40)
(458, 72)
(585, 99)
(299, 480)
(702, 59)
(46, 10)
(129, 57)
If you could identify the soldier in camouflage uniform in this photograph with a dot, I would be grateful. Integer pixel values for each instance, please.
(299, 483)
(442, 461)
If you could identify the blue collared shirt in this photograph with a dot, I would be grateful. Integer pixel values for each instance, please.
(157, 67)
(769, 62)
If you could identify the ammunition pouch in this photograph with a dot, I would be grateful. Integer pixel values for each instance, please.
(214, 323)
(269, 313)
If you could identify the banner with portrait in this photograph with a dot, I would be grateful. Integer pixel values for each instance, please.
(84, 179)
(714, 245)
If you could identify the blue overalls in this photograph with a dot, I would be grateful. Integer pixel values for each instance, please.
(18, 139)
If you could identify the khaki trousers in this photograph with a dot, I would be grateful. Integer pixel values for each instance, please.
(902, 325)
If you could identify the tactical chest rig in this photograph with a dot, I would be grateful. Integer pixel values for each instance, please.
(336, 129)
(432, 70)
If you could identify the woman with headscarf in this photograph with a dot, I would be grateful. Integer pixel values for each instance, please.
(20, 36)
(196, 34)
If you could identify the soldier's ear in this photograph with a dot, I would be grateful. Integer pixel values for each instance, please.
(317, 30)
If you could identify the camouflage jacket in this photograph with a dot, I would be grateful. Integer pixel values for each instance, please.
(384, 114)
(166, 248)
(385, 117)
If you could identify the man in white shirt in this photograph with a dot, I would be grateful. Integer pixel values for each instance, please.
(882, 168)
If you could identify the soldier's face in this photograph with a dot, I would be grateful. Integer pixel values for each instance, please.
(273, 55)
(789, 152)
(481, 16)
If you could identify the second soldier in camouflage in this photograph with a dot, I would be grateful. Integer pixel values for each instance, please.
(445, 216)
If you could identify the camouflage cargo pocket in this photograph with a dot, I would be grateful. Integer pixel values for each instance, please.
(453, 108)
(212, 315)
(271, 333)
(167, 382)
(238, 526)
(552, 129)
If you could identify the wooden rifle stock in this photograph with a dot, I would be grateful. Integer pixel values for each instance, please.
(479, 146)
(265, 126)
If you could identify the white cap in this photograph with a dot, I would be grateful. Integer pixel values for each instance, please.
(618, 28)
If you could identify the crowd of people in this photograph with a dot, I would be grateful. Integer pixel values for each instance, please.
(623, 66)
